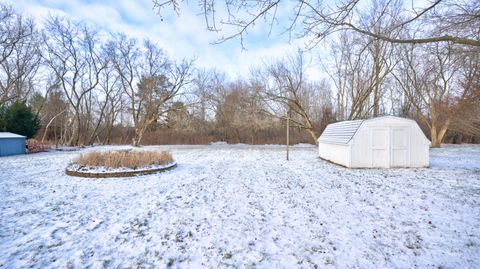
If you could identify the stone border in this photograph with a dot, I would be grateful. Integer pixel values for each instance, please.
(119, 174)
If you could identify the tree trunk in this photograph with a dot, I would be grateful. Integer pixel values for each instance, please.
(48, 125)
(314, 136)
(434, 137)
(108, 134)
(137, 137)
(74, 140)
(139, 131)
(376, 90)
(438, 135)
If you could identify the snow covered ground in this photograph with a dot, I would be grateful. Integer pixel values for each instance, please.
(242, 207)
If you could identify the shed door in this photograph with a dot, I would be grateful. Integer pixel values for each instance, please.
(380, 147)
(399, 154)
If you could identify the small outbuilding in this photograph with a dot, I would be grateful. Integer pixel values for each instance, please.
(379, 142)
(11, 144)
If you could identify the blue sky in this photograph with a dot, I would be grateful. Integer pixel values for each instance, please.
(183, 36)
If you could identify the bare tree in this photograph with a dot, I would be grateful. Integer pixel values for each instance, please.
(287, 92)
(318, 19)
(106, 102)
(150, 80)
(113, 102)
(239, 112)
(54, 113)
(432, 82)
(74, 56)
(209, 92)
(19, 55)
(465, 102)
(359, 69)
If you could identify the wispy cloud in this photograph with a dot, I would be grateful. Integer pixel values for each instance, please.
(183, 36)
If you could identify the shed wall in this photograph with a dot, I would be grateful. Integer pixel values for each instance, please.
(12, 146)
(361, 149)
(419, 156)
(363, 143)
(339, 154)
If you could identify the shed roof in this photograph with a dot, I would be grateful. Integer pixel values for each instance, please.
(10, 135)
(340, 132)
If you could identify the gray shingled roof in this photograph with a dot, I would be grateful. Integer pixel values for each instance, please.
(340, 132)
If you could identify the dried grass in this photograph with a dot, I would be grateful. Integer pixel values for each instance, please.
(116, 159)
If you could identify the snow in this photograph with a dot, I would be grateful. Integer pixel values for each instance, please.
(242, 206)
(10, 135)
(462, 157)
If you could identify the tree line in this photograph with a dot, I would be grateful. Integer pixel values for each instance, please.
(89, 87)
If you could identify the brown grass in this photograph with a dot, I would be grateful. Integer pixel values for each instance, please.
(116, 159)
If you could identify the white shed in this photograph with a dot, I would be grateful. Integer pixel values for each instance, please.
(379, 142)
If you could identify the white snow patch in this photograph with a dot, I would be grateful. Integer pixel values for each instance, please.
(463, 156)
(242, 206)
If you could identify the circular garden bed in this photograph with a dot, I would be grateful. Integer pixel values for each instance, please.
(125, 163)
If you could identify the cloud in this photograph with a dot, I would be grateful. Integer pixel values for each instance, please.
(183, 36)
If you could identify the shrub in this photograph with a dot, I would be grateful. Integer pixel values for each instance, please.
(37, 146)
(131, 159)
(19, 118)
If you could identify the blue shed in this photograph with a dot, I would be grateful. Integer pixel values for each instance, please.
(11, 144)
